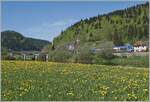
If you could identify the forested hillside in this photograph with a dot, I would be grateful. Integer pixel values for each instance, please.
(121, 26)
(17, 42)
(101, 33)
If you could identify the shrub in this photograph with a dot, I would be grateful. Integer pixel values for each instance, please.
(83, 54)
(105, 55)
(10, 58)
(59, 56)
(84, 57)
(42, 57)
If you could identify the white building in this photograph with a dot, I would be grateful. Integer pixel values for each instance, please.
(71, 47)
(140, 49)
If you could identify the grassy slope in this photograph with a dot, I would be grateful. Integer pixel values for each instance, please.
(58, 81)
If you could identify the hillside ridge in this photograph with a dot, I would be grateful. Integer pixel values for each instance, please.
(12, 40)
(121, 26)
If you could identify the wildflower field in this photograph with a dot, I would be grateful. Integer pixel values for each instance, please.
(44, 81)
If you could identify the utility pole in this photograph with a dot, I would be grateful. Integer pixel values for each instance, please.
(36, 56)
(46, 57)
(24, 57)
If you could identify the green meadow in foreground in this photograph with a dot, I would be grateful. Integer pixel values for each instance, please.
(44, 81)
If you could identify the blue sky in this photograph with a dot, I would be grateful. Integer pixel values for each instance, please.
(45, 20)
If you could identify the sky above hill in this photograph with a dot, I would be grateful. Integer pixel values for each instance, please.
(45, 20)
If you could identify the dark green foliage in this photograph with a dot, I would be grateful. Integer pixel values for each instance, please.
(59, 56)
(84, 57)
(16, 42)
(105, 55)
(53, 47)
(10, 58)
(4, 53)
(42, 57)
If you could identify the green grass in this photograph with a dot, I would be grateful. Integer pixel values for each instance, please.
(41, 81)
(135, 61)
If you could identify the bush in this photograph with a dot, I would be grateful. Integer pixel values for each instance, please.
(83, 54)
(84, 57)
(105, 55)
(104, 58)
(10, 58)
(41, 57)
(59, 56)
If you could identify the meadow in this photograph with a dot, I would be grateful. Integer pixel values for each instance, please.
(45, 81)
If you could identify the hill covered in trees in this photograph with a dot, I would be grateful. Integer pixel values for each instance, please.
(11, 40)
(79, 42)
(122, 26)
